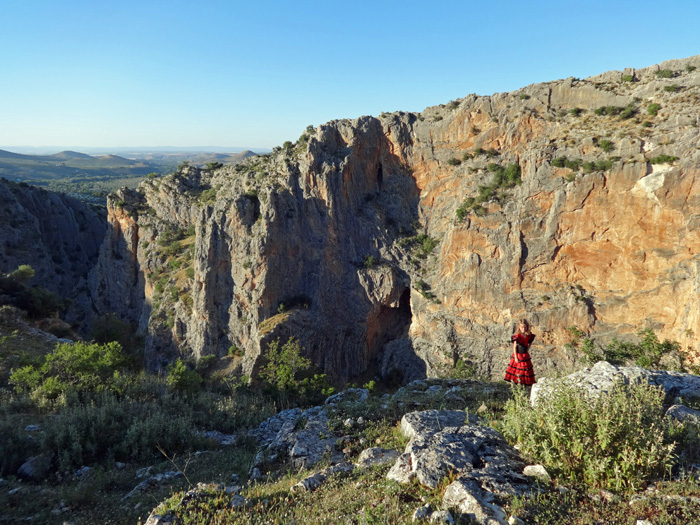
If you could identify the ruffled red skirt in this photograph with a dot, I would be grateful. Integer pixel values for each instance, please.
(522, 372)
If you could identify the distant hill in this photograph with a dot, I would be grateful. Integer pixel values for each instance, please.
(70, 155)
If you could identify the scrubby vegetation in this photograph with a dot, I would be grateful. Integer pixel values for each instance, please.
(94, 409)
(504, 178)
(38, 302)
(617, 441)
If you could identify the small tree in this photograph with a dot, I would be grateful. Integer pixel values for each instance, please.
(284, 364)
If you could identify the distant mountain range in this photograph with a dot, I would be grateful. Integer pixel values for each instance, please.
(131, 152)
(72, 164)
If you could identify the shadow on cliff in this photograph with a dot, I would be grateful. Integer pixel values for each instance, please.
(335, 241)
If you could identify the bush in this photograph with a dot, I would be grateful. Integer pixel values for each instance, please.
(653, 109)
(603, 165)
(616, 441)
(454, 162)
(628, 112)
(628, 78)
(606, 145)
(110, 327)
(288, 375)
(573, 164)
(284, 364)
(183, 380)
(665, 73)
(647, 353)
(671, 88)
(690, 69)
(80, 367)
(369, 262)
(663, 159)
(110, 429)
(559, 162)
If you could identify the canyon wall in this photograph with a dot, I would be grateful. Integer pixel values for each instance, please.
(59, 236)
(404, 243)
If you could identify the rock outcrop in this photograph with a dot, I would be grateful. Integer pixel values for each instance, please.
(59, 236)
(420, 238)
(602, 377)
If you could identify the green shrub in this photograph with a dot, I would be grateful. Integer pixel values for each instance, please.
(183, 380)
(189, 272)
(628, 112)
(647, 353)
(369, 262)
(523, 96)
(671, 88)
(284, 364)
(665, 73)
(110, 327)
(110, 429)
(573, 164)
(575, 112)
(16, 445)
(208, 196)
(588, 166)
(79, 367)
(606, 145)
(690, 69)
(603, 165)
(653, 109)
(288, 375)
(559, 162)
(454, 161)
(628, 78)
(426, 245)
(205, 362)
(615, 441)
(663, 159)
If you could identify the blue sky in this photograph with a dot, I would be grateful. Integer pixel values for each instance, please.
(254, 74)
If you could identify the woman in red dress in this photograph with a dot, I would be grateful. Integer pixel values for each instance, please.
(520, 369)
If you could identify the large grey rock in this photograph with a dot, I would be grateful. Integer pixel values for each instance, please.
(474, 453)
(376, 456)
(430, 421)
(538, 472)
(36, 467)
(303, 437)
(684, 414)
(471, 501)
(603, 376)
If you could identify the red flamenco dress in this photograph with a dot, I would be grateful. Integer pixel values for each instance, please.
(521, 372)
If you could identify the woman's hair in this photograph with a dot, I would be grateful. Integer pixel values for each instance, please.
(526, 323)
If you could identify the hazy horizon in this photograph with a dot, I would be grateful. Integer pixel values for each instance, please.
(96, 150)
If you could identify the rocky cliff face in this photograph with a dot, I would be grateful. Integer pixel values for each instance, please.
(409, 241)
(57, 235)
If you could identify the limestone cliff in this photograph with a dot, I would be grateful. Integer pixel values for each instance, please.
(57, 235)
(409, 240)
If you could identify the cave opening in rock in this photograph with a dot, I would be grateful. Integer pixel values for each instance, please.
(394, 322)
(380, 176)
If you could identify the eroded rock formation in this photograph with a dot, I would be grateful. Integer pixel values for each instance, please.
(361, 240)
(58, 235)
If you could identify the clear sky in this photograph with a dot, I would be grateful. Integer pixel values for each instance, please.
(256, 73)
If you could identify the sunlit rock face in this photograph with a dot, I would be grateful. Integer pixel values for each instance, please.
(360, 239)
